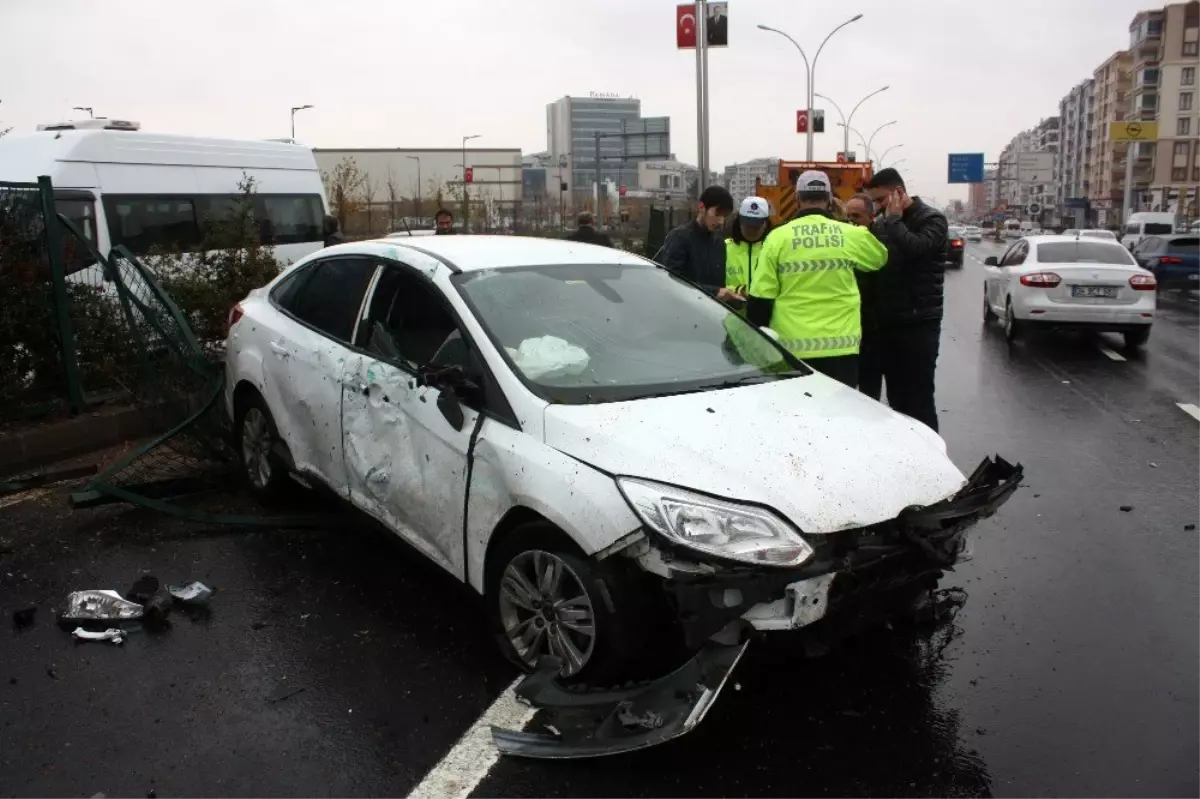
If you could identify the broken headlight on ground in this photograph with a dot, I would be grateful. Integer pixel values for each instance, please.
(716, 527)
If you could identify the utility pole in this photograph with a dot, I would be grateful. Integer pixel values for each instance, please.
(417, 158)
(702, 89)
(1127, 200)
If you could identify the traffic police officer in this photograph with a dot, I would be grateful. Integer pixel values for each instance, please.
(803, 285)
(744, 247)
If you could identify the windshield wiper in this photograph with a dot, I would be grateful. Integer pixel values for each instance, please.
(741, 381)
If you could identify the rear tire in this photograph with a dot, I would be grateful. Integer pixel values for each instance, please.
(1012, 325)
(989, 315)
(544, 597)
(256, 439)
(1136, 338)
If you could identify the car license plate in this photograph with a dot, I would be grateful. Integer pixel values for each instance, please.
(1108, 292)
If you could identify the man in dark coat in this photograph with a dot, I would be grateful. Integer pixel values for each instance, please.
(587, 233)
(696, 250)
(907, 296)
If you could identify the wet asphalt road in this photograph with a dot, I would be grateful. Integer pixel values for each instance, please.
(1072, 670)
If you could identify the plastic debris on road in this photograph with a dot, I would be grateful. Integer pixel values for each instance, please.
(116, 636)
(100, 605)
(193, 593)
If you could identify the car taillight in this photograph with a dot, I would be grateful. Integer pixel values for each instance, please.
(1143, 283)
(1041, 280)
(235, 313)
(1170, 259)
(956, 242)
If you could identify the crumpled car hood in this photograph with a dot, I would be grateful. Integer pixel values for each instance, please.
(822, 454)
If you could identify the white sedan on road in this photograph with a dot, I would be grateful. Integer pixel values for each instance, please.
(973, 233)
(1071, 283)
(607, 454)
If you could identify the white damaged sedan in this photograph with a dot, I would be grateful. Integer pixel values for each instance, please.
(605, 453)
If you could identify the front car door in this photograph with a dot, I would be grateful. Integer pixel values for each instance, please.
(1012, 259)
(307, 354)
(406, 464)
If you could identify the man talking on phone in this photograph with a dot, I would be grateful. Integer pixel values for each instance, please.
(903, 347)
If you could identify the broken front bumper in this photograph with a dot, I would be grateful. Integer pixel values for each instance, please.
(860, 575)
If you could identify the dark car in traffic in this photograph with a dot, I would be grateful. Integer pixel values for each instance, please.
(955, 245)
(1174, 259)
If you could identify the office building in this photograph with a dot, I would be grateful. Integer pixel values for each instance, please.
(740, 178)
(626, 139)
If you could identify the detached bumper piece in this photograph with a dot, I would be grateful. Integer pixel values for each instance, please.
(594, 723)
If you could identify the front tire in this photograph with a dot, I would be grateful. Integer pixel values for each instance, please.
(1136, 338)
(257, 439)
(545, 598)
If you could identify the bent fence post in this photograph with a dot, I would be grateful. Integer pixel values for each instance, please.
(66, 334)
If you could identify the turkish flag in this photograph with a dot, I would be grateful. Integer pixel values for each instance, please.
(685, 27)
(802, 121)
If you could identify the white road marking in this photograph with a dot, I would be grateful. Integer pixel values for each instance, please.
(1116, 356)
(1190, 409)
(465, 766)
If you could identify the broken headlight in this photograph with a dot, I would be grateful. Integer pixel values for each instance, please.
(718, 527)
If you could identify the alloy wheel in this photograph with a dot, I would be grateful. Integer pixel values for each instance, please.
(256, 448)
(545, 610)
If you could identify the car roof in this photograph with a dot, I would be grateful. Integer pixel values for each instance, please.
(469, 253)
(1054, 238)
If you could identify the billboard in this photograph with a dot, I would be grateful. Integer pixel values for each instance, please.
(965, 168)
(1035, 168)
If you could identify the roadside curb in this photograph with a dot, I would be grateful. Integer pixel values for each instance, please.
(28, 449)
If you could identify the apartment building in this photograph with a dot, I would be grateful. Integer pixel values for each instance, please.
(1076, 111)
(1145, 38)
(1173, 183)
(1111, 82)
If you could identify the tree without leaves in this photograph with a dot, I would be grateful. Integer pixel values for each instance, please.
(342, 187)
(393, 195)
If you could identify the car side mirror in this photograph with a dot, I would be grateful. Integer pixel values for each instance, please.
(451, 407)
(991, 260)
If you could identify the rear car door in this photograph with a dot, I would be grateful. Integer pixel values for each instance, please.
(406, 462)
(997, 276)
(306, 357)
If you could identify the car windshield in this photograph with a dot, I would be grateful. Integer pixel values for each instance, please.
(1084, 252)
(1183, 245)
(582, 334)
(1099, 234)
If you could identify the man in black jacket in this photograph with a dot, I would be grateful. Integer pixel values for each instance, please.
(696, 250)
(902, 349)
(587, 233)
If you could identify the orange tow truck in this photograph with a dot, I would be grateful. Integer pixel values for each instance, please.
(847, 180)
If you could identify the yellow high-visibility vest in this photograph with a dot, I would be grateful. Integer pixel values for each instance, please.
(807, 267)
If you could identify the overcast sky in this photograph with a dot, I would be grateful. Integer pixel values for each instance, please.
(965, 76)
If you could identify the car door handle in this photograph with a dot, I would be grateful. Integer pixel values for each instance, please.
(280, 350)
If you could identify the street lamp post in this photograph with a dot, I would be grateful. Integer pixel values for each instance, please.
(810, 69)
(88, 108)
(294, 110)
(897, 161)
(466, 200)
(847, 120)
(876, 131)
(417, 158)
(888, 150)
